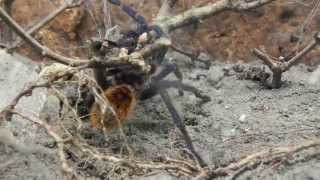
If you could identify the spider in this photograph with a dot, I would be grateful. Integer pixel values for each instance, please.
(126, 84)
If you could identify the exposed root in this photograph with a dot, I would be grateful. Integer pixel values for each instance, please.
(252, 161)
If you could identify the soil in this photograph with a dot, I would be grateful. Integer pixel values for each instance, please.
(242, 118)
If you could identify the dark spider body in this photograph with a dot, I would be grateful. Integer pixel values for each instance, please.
(130, 37)
(124, 85)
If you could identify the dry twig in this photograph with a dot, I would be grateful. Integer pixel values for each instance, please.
(187, 17)
(184, 168)
(44, 51)
(70, 173)
(6, 113)
(263, 157)
(43, 22)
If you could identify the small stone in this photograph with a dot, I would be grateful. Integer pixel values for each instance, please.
(242, 118)
(220, 101)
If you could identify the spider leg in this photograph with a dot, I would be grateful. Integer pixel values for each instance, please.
(158, 85)
(177, 121)
(163, 71)
(184, 87)
(153, 89)
(148, 93)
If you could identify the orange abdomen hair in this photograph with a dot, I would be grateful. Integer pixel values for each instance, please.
(122, 99)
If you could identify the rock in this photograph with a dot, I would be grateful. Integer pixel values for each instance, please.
(26, 157)
(51, 109)
(16, 71)
(315, 76)
(242, 118)
(215, 75)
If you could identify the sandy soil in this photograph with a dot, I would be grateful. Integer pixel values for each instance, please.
(241, 118)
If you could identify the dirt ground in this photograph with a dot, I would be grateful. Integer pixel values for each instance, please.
(242, 118)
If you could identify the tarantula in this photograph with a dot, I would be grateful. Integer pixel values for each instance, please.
(126, 84)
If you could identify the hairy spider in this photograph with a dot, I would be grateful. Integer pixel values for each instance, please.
(126, 84)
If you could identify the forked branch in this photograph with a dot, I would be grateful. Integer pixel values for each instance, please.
(279, 66)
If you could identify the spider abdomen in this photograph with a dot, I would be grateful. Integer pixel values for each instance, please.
(122, 99)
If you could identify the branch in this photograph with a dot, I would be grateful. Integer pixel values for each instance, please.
(173, 165)
(245, 5)
(278, 66)
(65, 167)
(66, 5)
(44, 51)
(310, 46)
(187, 17)
(264, 57)
(6, 113)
